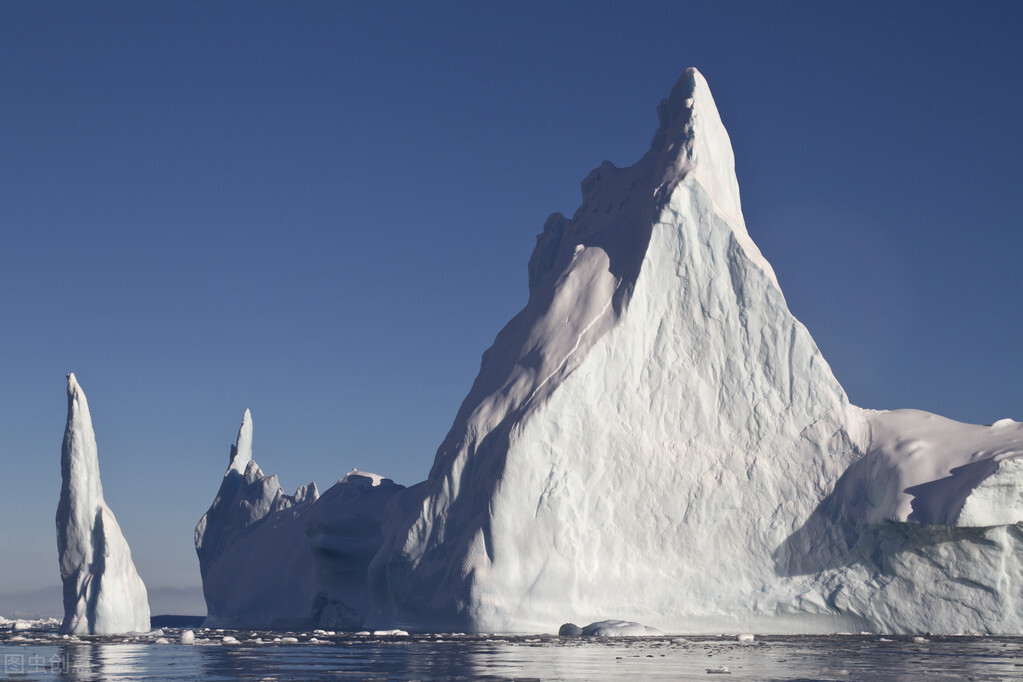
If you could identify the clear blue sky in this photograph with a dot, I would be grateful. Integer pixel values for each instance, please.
(323, 211)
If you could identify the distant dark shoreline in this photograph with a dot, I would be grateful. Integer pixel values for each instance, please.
(168, 621)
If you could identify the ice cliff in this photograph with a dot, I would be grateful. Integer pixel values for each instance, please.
(103, 593)
(655, 437)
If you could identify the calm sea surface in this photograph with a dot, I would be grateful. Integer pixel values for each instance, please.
(41, 655)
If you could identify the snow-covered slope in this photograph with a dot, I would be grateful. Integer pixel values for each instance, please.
(934, 471)
(655, 438)
(103, 593)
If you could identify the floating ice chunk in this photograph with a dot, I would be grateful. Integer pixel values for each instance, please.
(390, 633)
(745, 638)
(608, 628)
(187, 637)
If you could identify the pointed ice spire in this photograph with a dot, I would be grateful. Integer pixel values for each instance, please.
(103, 593)
(241, 453)
(244, 498)
(691, 129)
(82, 490)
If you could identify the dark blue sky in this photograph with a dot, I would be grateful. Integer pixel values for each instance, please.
(323, 211)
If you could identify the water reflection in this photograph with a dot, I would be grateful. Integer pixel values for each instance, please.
(493, 658)
(103, 661)
(422, 659)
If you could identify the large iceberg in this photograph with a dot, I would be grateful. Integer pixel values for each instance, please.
(655, 438)
(103, 593)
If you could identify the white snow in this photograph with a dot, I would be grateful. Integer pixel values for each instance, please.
(655, 436)
(376, 479)
(103, 593)
(924, 468)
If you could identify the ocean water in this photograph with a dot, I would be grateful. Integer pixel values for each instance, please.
(44, 655)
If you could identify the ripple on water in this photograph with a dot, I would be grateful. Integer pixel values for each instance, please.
(228, 655)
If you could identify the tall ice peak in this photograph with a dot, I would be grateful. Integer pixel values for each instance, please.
(103, 593)
(691, 130)
(691, 146)
(655, 334)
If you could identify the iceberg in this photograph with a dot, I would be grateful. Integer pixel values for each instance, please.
(278, 561)
(103, 593)
(655, 439)
(645, 433)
